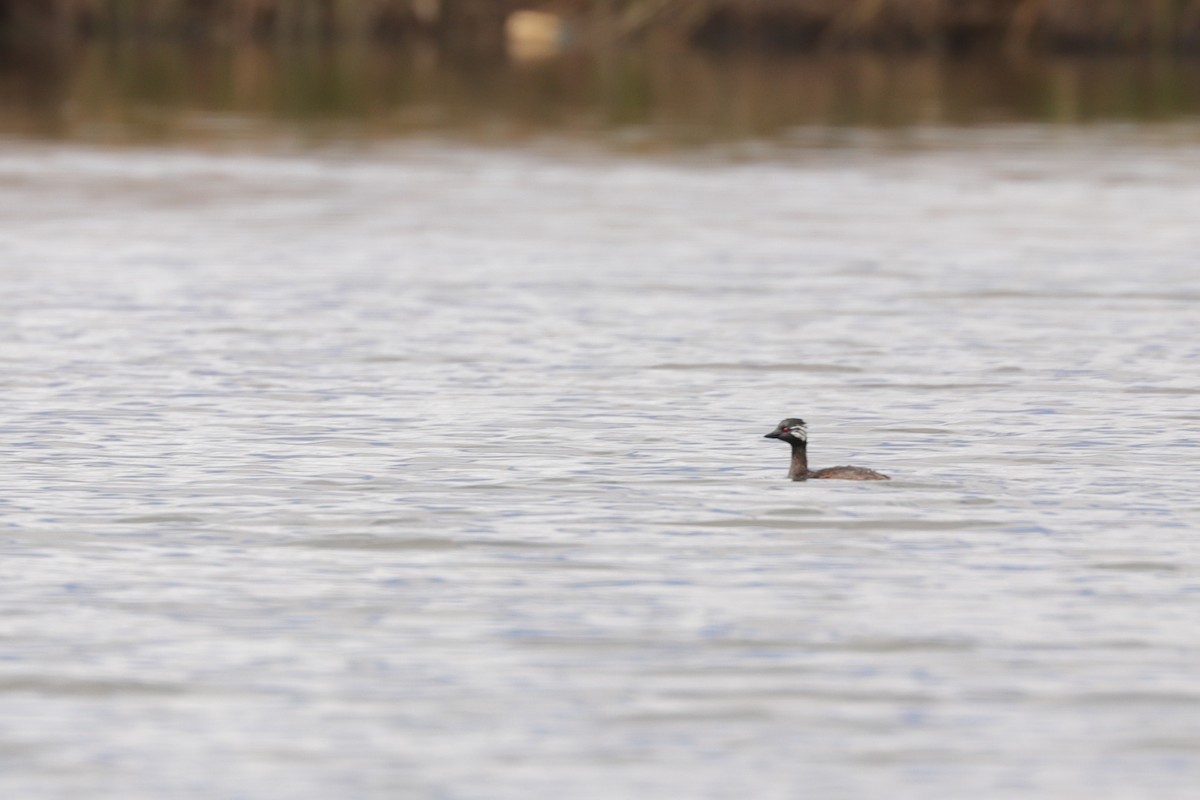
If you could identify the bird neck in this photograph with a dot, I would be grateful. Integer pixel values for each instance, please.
(799, 470)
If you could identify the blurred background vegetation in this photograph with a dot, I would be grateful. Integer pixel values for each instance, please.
(652, 70)
(940, 25)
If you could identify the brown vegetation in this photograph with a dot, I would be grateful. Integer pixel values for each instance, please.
(242, 19)
(826, 25)
(954, 25)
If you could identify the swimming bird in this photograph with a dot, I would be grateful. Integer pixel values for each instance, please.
(795, 432)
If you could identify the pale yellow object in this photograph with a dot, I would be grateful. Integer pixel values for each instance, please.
(534, 34)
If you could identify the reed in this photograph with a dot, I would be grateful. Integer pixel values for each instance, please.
(950, 25)
(135, 91)
(262, 19)
(829, 25)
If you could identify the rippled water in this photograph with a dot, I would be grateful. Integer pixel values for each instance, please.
(441, 474)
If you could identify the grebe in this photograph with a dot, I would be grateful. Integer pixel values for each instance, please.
(795, 432)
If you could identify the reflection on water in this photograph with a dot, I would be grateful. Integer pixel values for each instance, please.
(652, 95)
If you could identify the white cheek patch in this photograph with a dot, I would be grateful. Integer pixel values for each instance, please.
(799, 432)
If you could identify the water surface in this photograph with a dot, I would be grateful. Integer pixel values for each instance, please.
(439, 472)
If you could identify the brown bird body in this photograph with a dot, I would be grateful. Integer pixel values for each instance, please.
(795, 432)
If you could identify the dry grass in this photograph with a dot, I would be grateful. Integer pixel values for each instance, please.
(953, 25)
(255, 18)
(830, 25)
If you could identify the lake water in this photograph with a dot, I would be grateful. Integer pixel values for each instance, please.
(438, 472)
